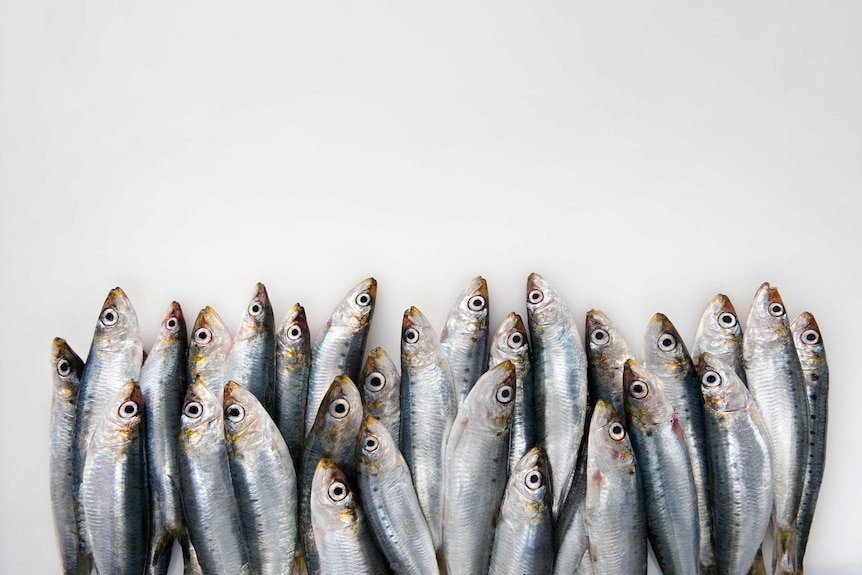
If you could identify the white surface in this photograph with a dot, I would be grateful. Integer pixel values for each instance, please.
(641, 157)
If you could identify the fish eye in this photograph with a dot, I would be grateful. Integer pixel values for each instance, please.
(235, 413)
(776, 309)
(667, 342)
(375, 381)
(476, 303)
(726, 319)
(363, 299)
(255, 308)
(411, 335)
(294, 332)
(710, 378)
(128, 410)
(533, 480)
(535, 296)
(638, 389)
(110, 316)
(203, 336)
(616, 431)
(505, 394)
(515, 340)
(339, 408)
(172, 323)
(600, 337)
(64, 368)
(810, 336)
(337, 491)
(193, 410)
(371, 444)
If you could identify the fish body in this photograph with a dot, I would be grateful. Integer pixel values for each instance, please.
(380, 386)
(570, 530)
(475, 471)
(114, 487)
(607, 353)
(775, 379)
(740, 466)
(560, 379)
(340, 347)
(510, 343)
(428, 408)
(251, 359)
(464, 338)
(209, 346)
(292, 367)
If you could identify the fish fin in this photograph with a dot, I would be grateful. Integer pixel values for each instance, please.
(784, 552)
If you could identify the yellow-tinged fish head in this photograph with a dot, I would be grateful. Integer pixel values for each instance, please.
(720, 386)
(419, 341)
(210, 336)
(664, 346)
(293, 336)
(609, 439)
(643, 396)
(117, 321)
(544, 305)
(340, 409)
(375, 446)
(471, 306)
(332, 500)
(202, 414)
(510, 339)
(767, 318)
(379, 378)
(244, 416)
(357, 307)
(492, 398)
(173, 326)
(258, 316)
(530, 479)
(66, 369)
(123, 415)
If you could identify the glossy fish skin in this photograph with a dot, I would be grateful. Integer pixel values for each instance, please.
(740, 466)
(524, 536)
(390, 503)
(570, 529)
(251, 359)
(428, 408)
(332, 436)
(340, 530)
(720, 334)
(208, 496)
(114, 487)
(510, 342)
(815, 373)
(340, 347)
(607, 352)
(264, 481)
(615, 512)
(774, 375)
(475, 471)
(209, 346)
(666, 356)
(670, 496)
(464, 338)
(560, 379)
(380, 386)
(66, 370)
(163, 386)
(292, 367)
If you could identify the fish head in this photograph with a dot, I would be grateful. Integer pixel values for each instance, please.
(245, 419)
(604, 342)
(609, 444)
(357, 307)
(720, 386)
(258, 316)
(118, 322)
(293, 333)
(210, 334)
(340, 411)
(808, 341)
(419, 343)
(719, 323)
(767, 318)
(492, 398)
(332, 498)
(66, 369)
(375, 446)
(544, 305)
(380, 376)
(202, 414)
(510, 340)
(124, 415)
(173, 327)
(470, 310)
(664, 347)
(530, 479)
(644, 399)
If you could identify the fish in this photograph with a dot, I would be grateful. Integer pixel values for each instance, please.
(670, 496)
(332, 436)
(292, 367)
(381, 392)
(510, 342)
(340, 347)
(428, 408)
(251, 359)
(740, 465)
(464, 338)
(614, 508)
(208, 350)
(390, 502)
(114, 486)
(570, 529)
(774, 375)
(66, 370)
(607, 352)
(163, 387)
(524, 535)
(475, 471)
(720, 334)
(264, 481)
(666, 356)
(340, 530)
(815, 373)
(560, 379)
(208, 495)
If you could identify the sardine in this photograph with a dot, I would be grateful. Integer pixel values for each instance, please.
(775, 380)
(475, 471)
(251, 359)
(391, 506)
(428, 408)
(464, 338)
(380, 386)
(264, 482)
(292, 367)
(208, 350)
(524, 536)
(340, 347)
(720, 334)
(607, 352)
(740, 466)
(570, 529)
(560, 379)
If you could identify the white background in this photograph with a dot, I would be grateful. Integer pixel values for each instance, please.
(642, 156)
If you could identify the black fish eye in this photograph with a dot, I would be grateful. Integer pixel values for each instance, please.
(293, 332)
(363, 299)
(171, 323)
(667, 342)
(236, 412)
(128, 410)
(638, 389)
(515, 340)
(255, 308)
(193, 410)
(110, 316)
(600, 336)
(776, 309)
(727, 319)
(505, 394)
(533, 480)
(371, 444)
(476, 303)
(337, 491)
(810, 336)
(411, 335)
(535, 296)
(710, 378)
(339, 408)
(617, 431)
(203, 336)
(64, 368)
(375, 381)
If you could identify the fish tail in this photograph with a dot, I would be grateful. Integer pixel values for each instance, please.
(191, 566)
(159, 554)
(784, 552)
